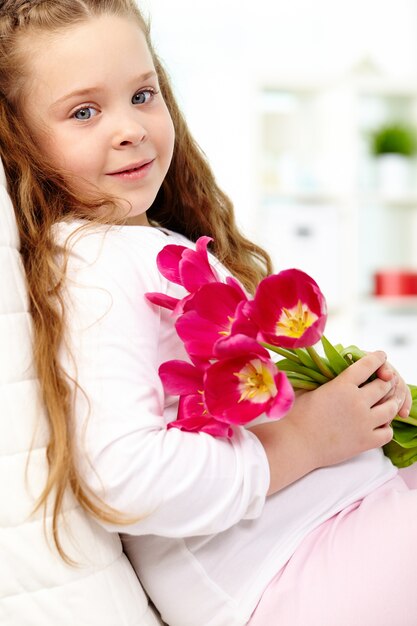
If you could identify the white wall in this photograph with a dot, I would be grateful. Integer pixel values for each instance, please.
(219, 51)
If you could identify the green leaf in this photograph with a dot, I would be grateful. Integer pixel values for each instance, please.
(353, 352)
(289, 366)
(304, 357)
(402, 449)
(336, 360)
(404, 434)
(401, 457)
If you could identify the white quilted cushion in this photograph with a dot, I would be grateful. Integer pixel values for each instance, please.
(36, 587)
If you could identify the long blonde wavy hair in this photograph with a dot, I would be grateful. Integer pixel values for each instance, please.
(189, 202)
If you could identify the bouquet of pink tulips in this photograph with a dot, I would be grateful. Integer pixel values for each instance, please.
(231, 378)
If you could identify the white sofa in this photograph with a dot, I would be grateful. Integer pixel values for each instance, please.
(36, 587)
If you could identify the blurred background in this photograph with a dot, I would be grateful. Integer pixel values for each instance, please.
(307, 112)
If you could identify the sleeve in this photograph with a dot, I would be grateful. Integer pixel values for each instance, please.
(176, 484)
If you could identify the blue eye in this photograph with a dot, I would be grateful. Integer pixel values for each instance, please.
(85, 113)
(142, 97)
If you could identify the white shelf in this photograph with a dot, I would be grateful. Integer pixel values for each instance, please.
(320, 205)
(391, 303)
(302, 197)
(322, 198)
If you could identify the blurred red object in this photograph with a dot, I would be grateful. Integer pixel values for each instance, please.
(395, 283)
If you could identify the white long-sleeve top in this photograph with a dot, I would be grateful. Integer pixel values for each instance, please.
(206, 541)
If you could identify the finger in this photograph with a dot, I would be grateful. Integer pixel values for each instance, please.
(386, 371)
(404, 391)
(377, 391)
(383, 414)
(400, 389)
(405, 409)
(404, 401)
(360, 371)
(383, 435)
(387, 396)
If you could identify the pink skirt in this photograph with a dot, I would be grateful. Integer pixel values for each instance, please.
(359, 568)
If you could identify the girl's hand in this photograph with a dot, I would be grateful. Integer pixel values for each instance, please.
(344, 417)
(333, 423)
(387, 372)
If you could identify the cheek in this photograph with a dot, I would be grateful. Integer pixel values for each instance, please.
(68, 155)
(169, 139)
(51, 147)
(60, 148)
(166, 133)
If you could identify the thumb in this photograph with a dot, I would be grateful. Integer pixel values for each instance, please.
(359, 372)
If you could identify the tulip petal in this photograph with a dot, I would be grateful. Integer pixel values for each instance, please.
(161, 299)
(284, 399)
(192, 407)
(217, 302)
(198, 334)
(232, 282)
(237, 346)
(195, 270)
(194, 417)
(181, 378)
(187, 267)
(168, 261)
(202, 243)
(203, 425)
(242, 324)
(209, 316)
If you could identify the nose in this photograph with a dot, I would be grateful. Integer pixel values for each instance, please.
(129, 132)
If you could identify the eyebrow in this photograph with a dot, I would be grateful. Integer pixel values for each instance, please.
(89, 90)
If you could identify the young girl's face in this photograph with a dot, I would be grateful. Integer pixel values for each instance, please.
(94, 105)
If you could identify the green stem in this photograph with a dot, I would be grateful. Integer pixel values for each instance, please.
(293, 374)
(288, 354)
(320, 363)
(304, 357)
(303, 384)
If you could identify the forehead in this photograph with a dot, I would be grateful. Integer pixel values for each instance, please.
(100, 49)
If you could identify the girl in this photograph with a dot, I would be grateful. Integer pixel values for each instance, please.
(103, 173)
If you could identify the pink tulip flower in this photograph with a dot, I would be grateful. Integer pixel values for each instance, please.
(244, 383)
(191, 420)
(187, 267)
(183, 266)
(185, 380)
(289, 310)
(212, 314)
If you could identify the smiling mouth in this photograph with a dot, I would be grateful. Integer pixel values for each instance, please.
(133, 169)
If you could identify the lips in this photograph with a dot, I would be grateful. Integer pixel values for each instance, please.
(132, 168)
